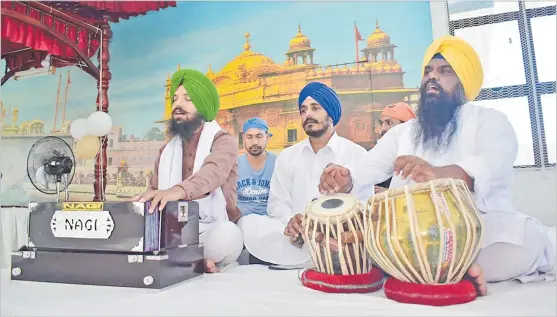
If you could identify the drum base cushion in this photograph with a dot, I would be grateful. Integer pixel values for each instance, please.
(432, 295)
(358, 283)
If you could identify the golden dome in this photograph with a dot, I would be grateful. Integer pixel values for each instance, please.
(378, 37)
(247, 63)
(300, 41)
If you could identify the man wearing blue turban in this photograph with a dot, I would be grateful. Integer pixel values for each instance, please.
(273, 238)
(320, 109)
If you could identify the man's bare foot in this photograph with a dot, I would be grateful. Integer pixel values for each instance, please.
(476, 275)
(211, 267)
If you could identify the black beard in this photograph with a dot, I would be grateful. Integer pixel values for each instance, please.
(437, 118)
(317, 133)
(255, 151)
(185, 129)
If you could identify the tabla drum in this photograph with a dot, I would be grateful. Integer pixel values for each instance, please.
(426, 233)
(333, 228)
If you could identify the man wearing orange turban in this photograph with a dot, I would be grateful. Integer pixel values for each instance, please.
(452, 137)
(393, 115)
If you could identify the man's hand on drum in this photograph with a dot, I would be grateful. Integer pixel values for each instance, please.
(379, 189)
(160, 197)
(294, 227)
(415, 168)
(335, 179)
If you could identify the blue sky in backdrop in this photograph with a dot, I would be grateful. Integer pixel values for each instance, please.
(146, 49)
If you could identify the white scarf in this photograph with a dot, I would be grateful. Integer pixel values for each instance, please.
(211, 208)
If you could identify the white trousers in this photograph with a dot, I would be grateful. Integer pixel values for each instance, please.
(532, 261)
(264, 238)
(223, 242)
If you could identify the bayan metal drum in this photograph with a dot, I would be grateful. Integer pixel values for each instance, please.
(425, 236)
(333, 228)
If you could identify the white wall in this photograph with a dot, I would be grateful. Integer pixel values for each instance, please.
(535, 194)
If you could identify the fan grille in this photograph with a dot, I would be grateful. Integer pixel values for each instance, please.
(40, 153)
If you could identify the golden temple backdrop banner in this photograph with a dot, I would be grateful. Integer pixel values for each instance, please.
(258, 54)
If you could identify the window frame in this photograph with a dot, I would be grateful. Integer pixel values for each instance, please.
(532, 88)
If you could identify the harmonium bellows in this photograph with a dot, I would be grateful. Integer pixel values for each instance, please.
(111, 244)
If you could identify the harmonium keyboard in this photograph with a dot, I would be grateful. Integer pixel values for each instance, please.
(110, 244)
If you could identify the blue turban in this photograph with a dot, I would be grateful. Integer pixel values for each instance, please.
(325, 96)
(256, 123)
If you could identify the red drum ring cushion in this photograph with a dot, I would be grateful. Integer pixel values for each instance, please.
(432, 295)
(329, 283)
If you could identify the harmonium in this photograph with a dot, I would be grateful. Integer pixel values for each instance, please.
(110, 244)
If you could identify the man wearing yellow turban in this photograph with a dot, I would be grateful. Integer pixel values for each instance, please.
(452, 137)
(200, 164)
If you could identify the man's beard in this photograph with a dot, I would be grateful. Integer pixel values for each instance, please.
(254, 150)
(316, 133)
(185, 129)
(437, 117)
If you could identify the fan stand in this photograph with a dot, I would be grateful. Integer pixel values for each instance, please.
(58, 181)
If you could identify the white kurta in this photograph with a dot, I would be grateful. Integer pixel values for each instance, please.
(294, 185)
(485, 146)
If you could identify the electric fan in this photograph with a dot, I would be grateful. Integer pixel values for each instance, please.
(50, 166)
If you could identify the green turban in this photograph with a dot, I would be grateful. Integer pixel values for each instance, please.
(201, 90)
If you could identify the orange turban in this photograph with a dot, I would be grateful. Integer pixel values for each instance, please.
(400, 110)
(463, 59)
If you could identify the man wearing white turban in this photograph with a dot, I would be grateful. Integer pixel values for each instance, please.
(452, 137)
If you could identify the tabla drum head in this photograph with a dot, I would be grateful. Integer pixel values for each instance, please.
(333, 205)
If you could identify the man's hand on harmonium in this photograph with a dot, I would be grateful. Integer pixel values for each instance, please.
(160, 197)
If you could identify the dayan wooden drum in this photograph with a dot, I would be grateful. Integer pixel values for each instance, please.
(333, 228)
(426, 233)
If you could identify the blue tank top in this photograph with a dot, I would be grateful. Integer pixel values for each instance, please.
(254, 186)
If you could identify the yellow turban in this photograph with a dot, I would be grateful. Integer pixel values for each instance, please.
(463, 59)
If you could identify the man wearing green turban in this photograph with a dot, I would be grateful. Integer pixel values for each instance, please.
(199, 163)
(452, 137)
(202, 92)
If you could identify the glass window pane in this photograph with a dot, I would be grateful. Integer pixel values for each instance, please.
(468, 9)
(538, 4)
(518, 113)
(500, 51)
(549, 104)
(544, 35)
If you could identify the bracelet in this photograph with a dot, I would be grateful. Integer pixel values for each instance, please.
(351, 186)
